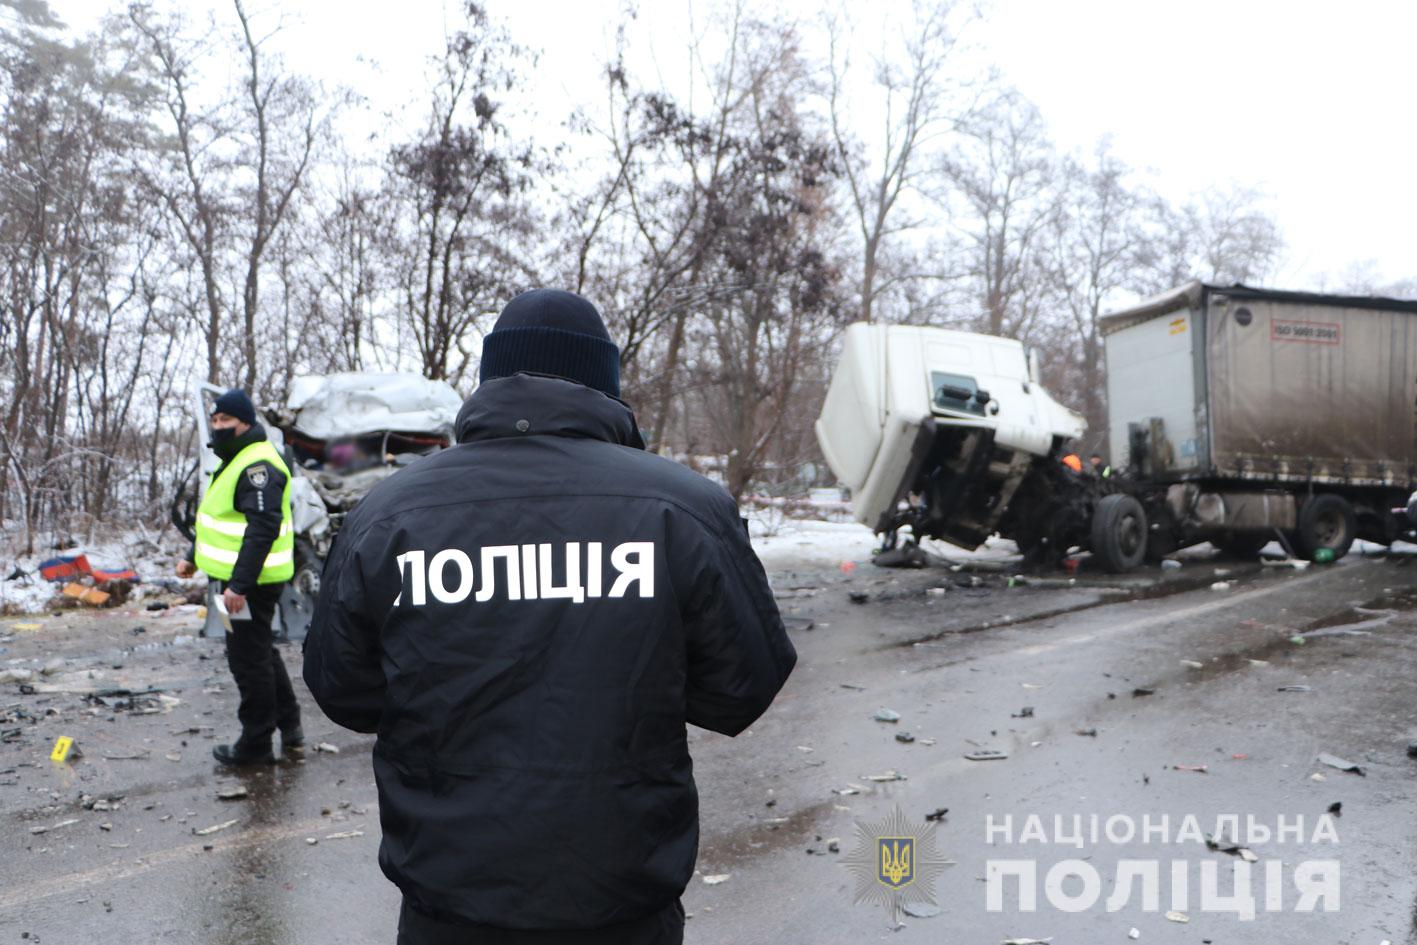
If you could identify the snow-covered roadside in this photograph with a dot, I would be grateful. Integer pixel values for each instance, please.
(784, 543)
(23, 591)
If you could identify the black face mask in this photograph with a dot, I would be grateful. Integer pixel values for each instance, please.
(221, 436)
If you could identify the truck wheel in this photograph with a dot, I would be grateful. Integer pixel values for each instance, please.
(1119, 533)
(1241, 546)
(1326, 521)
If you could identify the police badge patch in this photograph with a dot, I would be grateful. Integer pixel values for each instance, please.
(258, 475)
(896, 863)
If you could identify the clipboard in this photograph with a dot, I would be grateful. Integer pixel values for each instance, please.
(228, 618)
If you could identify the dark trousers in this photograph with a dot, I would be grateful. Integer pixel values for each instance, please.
(665, 927)
(267, 699)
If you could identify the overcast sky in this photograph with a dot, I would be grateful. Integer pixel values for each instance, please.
(1309, 101)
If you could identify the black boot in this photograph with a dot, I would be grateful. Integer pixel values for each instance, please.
(238, 754)
(292, 738)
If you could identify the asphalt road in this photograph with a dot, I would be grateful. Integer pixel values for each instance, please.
(106, 848)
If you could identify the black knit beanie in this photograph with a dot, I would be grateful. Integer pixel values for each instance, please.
(549, 331)
(235, 403)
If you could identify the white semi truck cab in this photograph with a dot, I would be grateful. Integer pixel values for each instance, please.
(937, 429)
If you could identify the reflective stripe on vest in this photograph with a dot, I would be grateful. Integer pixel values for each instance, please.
(221, 528)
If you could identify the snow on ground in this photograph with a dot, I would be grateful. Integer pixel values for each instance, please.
(783, 543)
(27, 592)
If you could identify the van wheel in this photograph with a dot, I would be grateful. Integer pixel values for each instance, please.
(1326, 521)
(1241, 546)
(1119, 533)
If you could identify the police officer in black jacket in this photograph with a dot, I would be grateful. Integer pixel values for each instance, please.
(528, 620)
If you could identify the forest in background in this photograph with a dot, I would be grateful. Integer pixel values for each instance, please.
(181, 204)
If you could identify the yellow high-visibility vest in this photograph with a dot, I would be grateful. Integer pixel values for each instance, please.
(221, 528)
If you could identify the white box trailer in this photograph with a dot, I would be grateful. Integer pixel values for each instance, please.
(1253, 410)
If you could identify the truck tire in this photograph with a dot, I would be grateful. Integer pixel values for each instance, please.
(1242, 546)
(1119, 533)
(1326, 521)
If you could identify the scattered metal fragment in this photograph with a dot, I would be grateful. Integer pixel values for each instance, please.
(1333, 761)
(986, 754)
(208, 831)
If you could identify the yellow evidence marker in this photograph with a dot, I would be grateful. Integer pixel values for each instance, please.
(64, 747)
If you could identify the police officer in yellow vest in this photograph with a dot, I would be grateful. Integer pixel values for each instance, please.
(246, 544)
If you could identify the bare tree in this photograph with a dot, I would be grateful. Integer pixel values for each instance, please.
(1223, 236)
(916, 103)
(457, 192)
(1003, 178)
(280, 123)
(1095, 242)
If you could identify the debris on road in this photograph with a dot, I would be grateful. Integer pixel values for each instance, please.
(920, 910)
(1088, 732)
(1028, 941)
(1333, 761)
(937, 814)
(1140, 691)
(905, 738)
(327, 748)
(886, 715)
(986, 754)
(233, 793)
(208, 831)
(1025, 713)
(1223, 845)
(1177, 917)
(1222, 585)
(1198, 769)
(1296, 688)
(344, 835)
(86, 595)
(717, 878)
(891, 775)
(859, 597)
(798, 623)
(1336, 808)
(45, 829)
(1193, 664)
